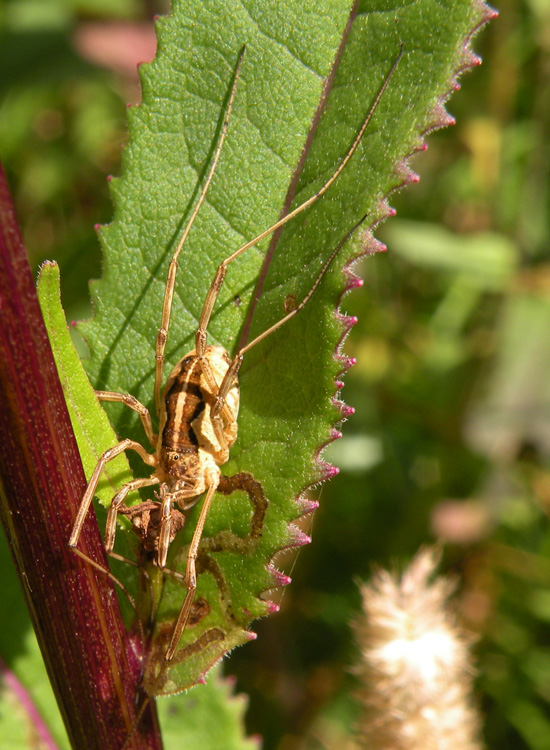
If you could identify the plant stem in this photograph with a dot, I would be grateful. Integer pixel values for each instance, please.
(94, 666)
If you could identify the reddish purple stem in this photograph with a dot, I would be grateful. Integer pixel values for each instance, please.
(94, 670)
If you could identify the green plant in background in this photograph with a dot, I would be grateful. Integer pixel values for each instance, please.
(420, 352)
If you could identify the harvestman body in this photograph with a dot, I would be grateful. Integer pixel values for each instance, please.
(197, 413)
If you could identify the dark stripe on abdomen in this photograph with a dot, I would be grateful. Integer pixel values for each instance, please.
(184, 402)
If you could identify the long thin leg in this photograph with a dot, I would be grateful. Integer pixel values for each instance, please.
(165, 534)
(111, 516)
(133, 403)
(236, 362)
(171, 281)
(91, 488)
(211, 297)
(107, 573)
(114, 509)
(191, 583)
(226, 485)
(110, 535)
(190, 575)
(220, 407)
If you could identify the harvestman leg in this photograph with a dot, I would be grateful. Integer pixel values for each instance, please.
(117, 500)
(162, 335)
(135, 484)
(107, 573)
(133, 403)
(217, 282)
(236, 362)
(94, 480)
(87, 499)
(115, 509)
(221, 408)
(190, 574)
(227, 485)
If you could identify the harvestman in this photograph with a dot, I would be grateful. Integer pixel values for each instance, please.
(196, 409)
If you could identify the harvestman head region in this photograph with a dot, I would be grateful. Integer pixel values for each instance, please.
(196, 412)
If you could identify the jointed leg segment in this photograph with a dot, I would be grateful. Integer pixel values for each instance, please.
(171, 281)
(94, 480)
(190, 573)
(116, 504)
(133, 403)
(217, 282)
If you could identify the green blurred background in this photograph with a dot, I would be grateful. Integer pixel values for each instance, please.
(451, 435)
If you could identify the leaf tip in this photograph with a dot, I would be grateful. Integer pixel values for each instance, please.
(306, 505)
(345, 410)
(354, 282)
(279, 579)
(297, 537)
(49, 264)
(328, 470)
(406, 175)
(371, 245)
(347, 322)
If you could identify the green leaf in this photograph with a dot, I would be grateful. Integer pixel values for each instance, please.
(308, 79)
(187, 720)
(90, 423)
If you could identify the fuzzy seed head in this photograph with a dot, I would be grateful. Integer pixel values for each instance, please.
(417, 670)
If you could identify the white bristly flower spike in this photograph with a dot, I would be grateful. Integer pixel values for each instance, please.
(417, 670)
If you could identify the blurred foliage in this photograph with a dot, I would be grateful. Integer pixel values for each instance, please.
(451, 435)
